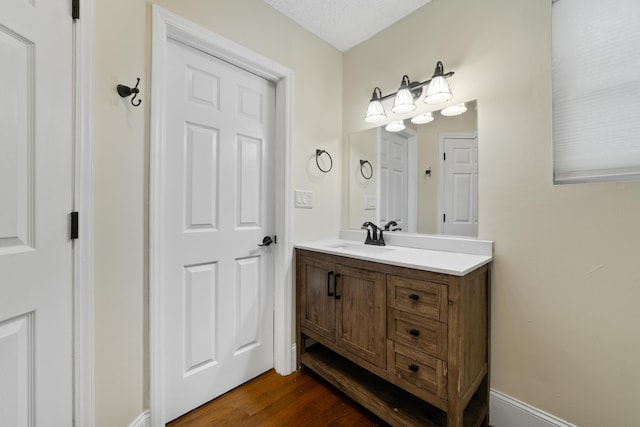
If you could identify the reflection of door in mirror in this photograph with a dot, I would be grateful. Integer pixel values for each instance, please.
(459, 184)
(395, 195)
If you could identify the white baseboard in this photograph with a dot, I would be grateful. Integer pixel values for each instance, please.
(509, 412)
(143, 420)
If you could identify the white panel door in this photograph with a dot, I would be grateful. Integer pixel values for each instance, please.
(393, 179)
(218, 206)
(35, 202)
(460, 190)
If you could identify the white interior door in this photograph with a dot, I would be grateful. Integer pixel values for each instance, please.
(218, 206)
(460, 185)
(393, 179)
(35, 201)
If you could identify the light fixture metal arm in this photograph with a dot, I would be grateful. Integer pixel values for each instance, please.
(413, 86)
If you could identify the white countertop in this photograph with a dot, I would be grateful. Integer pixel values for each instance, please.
(454, 263)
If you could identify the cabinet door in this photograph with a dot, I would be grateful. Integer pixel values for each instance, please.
(361, 313)
(317, 303)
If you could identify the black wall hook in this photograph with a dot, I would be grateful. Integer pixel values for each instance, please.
(125, 91)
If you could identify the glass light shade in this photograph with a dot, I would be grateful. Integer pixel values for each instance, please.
(438, 91)
(454, 110)
(422, 118)
(403, 102)
(395, 126)
(375, 112)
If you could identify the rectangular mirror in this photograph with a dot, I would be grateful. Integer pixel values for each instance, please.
(425, 177)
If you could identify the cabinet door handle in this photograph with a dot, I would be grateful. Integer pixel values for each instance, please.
(329, 293)
(335, 286)
(413, 367)
(414, 332)
(414, 297)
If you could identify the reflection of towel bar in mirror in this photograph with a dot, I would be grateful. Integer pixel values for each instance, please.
(362, 169)
(318, 154)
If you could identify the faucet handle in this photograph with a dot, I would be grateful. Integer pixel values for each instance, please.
(368, 240)
(388, 225)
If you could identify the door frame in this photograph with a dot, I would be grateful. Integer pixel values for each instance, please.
(82, 274)
(169, 26)
(441, 178)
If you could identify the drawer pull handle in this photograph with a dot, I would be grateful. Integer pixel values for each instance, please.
(413, 367)
(329, 293)
(414, 297)
(414, 332)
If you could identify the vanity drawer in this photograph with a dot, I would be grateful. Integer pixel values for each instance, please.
(418, 332)
(418, 368)
(417, 297)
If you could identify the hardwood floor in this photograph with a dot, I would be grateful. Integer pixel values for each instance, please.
(297, 400)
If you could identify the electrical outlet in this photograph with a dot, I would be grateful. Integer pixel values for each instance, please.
(303, 199)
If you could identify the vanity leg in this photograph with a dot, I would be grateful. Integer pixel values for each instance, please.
(455, 418)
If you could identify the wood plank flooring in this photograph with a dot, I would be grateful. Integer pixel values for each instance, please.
(297, 400)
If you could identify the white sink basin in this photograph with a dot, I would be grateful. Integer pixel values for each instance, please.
(366, 249)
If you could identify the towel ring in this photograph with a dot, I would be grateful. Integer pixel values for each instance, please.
(366, 162)
(318, 154)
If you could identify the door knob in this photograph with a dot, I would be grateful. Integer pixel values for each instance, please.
(268, 240)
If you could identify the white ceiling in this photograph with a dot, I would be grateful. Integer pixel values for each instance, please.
(346, 23)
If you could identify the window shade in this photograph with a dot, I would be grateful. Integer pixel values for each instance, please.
(596, 90)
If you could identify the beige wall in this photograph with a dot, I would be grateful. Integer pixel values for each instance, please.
(123, 33)
(565, 279)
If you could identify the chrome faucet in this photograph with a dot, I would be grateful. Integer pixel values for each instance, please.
(372, 234)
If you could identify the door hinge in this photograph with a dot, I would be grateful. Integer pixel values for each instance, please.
(75, 9)
(444, 217)
(444, 156)
(74, 225)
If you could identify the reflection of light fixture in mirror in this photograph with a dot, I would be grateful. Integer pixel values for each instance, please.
(375, 110)
(395, 126)
(403, 102)
(408, 93)
(421, 119)
(454, 110)
(438, 90)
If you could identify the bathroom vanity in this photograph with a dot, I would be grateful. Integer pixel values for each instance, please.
(402, 331)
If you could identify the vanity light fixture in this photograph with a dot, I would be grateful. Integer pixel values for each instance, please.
(375, 110)
(454, 110)
(395, 126)
(438, 91)
(403, 102)
(421, 119)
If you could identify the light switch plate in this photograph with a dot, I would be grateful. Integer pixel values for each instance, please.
(369, 203)
(303, 199)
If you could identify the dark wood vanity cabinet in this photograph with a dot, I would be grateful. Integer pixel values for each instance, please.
(344, 306)
(409, 345)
